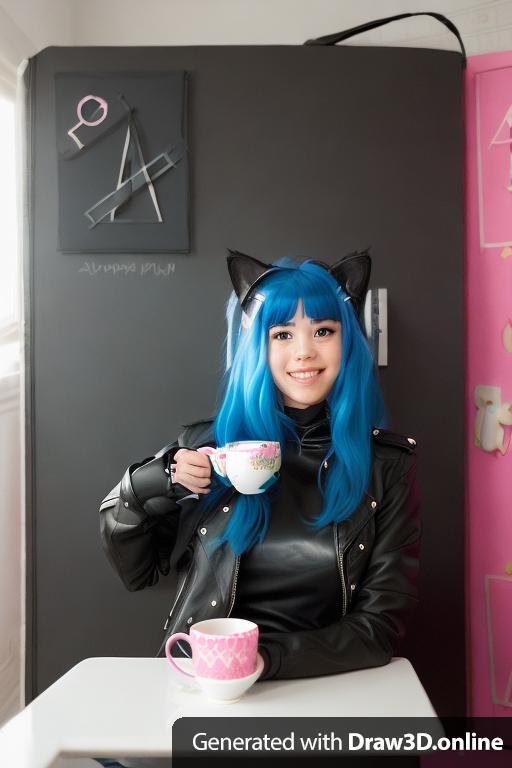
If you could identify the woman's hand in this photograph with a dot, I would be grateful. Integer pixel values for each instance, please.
(192, 470)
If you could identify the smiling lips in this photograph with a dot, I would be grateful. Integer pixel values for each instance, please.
(306, 375)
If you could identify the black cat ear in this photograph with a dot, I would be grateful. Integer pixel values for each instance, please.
(352, 272)
(245, 273)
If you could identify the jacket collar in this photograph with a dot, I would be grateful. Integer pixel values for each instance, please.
(312, 425)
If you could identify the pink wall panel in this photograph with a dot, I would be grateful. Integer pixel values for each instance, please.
(489, 367)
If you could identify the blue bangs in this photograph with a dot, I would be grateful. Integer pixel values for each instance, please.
(311, 283)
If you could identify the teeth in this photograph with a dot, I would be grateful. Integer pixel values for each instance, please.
(306, 375)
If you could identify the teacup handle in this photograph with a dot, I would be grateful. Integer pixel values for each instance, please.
(212, 453)
(185, 678)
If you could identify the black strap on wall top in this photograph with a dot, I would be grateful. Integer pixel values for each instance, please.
(337, 37)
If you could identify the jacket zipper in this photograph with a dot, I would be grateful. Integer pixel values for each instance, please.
(233, 589)
(168, 620)
(339, 558)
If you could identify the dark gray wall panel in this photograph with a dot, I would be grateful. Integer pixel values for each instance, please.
(312, 151)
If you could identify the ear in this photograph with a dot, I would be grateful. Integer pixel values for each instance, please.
(352, 272)
(244, 271)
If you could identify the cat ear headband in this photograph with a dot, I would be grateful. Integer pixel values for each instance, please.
(352, 273)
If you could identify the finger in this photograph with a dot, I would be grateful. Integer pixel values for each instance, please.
(194, 458)
(194, 489)
(187, 482)
(203, 473)
(199, 472)
(197, 481)
(185, 475)
(199, 459)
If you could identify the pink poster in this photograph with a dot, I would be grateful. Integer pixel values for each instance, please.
(494, 152)
(488, 277)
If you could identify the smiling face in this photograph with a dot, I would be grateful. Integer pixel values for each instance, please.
(304, 356)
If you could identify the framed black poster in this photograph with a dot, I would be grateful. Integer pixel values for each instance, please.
(123, 165)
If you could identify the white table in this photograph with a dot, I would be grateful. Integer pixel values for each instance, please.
(122, 706)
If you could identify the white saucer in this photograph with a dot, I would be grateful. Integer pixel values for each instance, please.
(223, 691)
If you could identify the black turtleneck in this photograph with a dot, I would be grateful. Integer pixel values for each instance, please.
(291, 580)
(305, 416)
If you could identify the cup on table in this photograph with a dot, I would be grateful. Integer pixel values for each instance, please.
(250, 465)
(225, 660)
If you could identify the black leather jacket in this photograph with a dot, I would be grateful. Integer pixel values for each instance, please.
(377, 552)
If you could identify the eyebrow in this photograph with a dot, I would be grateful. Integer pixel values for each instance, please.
(313, 322)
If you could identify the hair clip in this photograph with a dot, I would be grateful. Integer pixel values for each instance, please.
(339, 289)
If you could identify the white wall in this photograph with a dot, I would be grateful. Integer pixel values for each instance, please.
(11, 581)
(43, 22)
(485, 26)
(25, 28)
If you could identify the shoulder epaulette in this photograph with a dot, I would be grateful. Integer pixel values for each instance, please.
(385, 437)
(196, 423)
(196, 434)
(168, 447)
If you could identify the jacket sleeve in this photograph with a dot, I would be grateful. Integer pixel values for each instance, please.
(366, 635)
(139, 520)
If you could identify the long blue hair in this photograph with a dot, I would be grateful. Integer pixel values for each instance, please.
(251, 406)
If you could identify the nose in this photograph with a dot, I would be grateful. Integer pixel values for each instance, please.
(304, 349)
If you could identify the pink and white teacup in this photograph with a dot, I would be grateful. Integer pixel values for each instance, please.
(250, 465)
(225, 659)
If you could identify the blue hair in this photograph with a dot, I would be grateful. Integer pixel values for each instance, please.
(251, 406)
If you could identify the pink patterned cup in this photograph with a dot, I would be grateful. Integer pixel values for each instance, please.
(222, 649)
(250, 465)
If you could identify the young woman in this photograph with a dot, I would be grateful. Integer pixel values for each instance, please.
(326, 560)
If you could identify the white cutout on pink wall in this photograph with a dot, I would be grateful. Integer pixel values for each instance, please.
(498, 590)
(507, 336)
(492, 417)
(494, 153)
